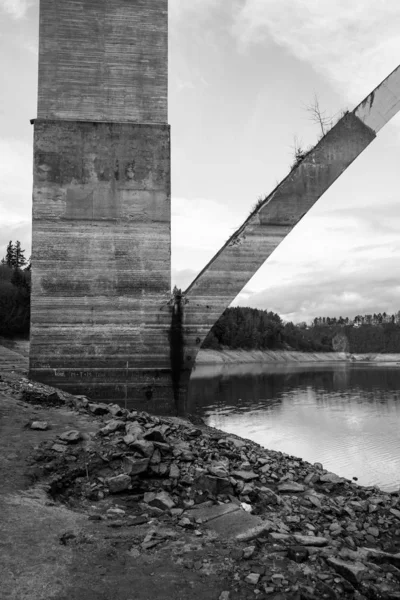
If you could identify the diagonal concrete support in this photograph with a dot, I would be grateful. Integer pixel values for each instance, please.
(238, 260)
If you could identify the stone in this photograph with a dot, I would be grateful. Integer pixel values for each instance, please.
(236, 442)
(310, 540)
(298, 554)
(157, 434)
(163, 501)
(174, 471)
(111, 427)
(72, 437)
(156, 457)
(134, 430)
(255, 532)
(40, 425)
(115, 410)
(218, 469)
(269, 496)
(248, 552)
(119, 483)
(59, 448)
(252, 578)
(395, 512)
(143, 446)
(244, 475)
(224, 596)
(291, 487)
(135, 466)
(352, 571)
(185, 522)
(374, 531)
(213, 485)
(331, 478)
(116, 512)
(98, 409)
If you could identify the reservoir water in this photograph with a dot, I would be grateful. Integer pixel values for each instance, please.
(344, 415)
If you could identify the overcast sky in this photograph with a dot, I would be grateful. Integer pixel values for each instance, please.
(241, 74)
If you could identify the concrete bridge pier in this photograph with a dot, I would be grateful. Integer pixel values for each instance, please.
(101, 300)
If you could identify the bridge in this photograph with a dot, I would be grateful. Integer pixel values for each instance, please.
(103, 320)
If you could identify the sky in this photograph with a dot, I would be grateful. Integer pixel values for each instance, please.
(241, 75)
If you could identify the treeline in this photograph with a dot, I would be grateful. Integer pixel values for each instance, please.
(253, 329)
(15, 291)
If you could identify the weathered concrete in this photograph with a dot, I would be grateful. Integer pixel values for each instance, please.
(382, 104)
(103, 60)
(101, 256)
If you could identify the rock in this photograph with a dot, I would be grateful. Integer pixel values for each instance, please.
(331, 478)
(248, 552)
(310, 540)
(269, 496)
(115, 410)
(162, 500)
(59, 448)
(119, 483)
(135, 466)
(174, 471)
(352, 571)
(255, 532)
(218, 469)
(244, 475)
(116, 512)
(111, 427)
(374, 531)
(143, 446)
(395, 512)
(224, 596)
(135, 431)
(98, 409)
(40, 425)
(235, 442)
(185, 522)
(252, 578)
(213, 485)
(291, 487)
(298, 554)
(157, 434)
(156, 457)
(72, 437)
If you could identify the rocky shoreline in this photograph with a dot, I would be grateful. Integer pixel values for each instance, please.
(218, 357)
(276, 526)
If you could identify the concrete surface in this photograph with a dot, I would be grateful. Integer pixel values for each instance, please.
(103, 60)
(101, 260)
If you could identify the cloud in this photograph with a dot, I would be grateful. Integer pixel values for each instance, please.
(352, 44)
(15, 8)
(16, 192)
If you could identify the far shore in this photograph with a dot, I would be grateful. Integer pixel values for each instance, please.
(212, 357)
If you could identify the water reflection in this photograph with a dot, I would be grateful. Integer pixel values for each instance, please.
(343, 415)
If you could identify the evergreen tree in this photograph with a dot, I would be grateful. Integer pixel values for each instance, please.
(10, 255)
(19, 255)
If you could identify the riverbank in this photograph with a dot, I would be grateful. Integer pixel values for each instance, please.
(210, 357)
(127, 505)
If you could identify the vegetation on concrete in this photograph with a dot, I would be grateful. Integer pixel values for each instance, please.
(15, 290)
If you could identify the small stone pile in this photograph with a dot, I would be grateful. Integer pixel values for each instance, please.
(326, 526)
